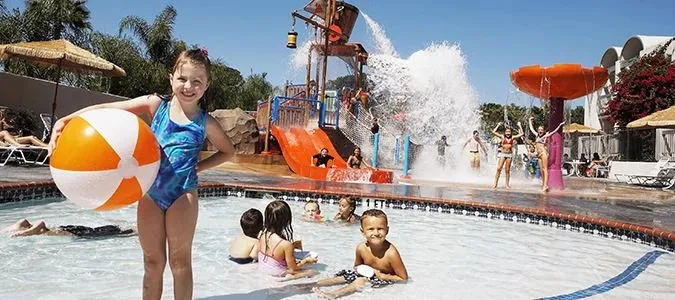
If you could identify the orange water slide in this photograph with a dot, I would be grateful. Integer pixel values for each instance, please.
(299, 145)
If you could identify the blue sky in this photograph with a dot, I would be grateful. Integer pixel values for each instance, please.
(496, 36)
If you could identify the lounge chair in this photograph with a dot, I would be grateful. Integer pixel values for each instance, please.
(23, 154)
(630, 178)
(664, 178)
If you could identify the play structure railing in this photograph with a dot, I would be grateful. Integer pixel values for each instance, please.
(295, 112)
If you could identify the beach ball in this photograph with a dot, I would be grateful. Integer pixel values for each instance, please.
(105, 159)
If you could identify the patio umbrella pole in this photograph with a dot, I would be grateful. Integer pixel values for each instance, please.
(56, 93)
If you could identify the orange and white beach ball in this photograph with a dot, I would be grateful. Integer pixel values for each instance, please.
(105, 159)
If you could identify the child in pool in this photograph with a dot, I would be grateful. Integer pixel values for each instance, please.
(377, 261)
(313, 212)
(276, 254)
(167, 214)
(346, 211)
(24, 228)
(244, 248)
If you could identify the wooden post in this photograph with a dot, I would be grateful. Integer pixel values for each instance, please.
(268, 129)
(329, 11)
(309, 71)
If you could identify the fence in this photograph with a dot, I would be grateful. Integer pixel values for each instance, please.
(604, 145)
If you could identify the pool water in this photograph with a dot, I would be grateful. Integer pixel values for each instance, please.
(447, 256)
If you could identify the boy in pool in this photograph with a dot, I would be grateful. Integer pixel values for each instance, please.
(313, 211)
(377, 261)
(244, 248)
(25, 228)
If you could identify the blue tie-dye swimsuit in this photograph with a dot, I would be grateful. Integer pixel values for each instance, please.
(181, 144)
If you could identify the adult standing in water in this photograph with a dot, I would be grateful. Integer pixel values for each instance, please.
(540, 146)
(506, 155)
(474, 142)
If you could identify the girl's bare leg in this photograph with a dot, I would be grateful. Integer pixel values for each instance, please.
(152, 235)
(181, 222)
(500, 165)
(507, 170)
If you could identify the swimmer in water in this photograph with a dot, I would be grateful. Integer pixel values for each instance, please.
(24, 228)
(506, 155)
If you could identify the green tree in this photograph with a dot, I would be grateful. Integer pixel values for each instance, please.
(46, 20)
(157, 38)
(575, 115)
(255, 88)
(345, 81)
(226, 84)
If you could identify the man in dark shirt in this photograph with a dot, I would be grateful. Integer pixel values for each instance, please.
(321, 159)
(376, 127)
(441, 145)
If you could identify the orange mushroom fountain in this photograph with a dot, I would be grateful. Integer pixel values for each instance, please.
(556, 84)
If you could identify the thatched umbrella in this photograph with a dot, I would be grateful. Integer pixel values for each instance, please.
(575, 128)
(63, 55)
(660, 119)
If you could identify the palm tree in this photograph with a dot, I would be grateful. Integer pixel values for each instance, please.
(44, 20)
(157, 38)
(56, 19)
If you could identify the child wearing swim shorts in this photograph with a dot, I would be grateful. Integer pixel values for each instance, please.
(244, 248)
(377, 261)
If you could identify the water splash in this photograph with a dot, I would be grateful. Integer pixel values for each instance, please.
(426, 95)
(383, 44)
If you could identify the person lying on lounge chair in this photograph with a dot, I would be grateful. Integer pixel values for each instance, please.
(7, 139)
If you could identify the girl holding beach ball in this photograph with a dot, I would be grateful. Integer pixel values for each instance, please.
(167, 213)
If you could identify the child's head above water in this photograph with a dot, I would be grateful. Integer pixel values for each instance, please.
(347, 207)
(312, 210)
(251, 223)
(278, 219)
(374, 226)
(191, 76)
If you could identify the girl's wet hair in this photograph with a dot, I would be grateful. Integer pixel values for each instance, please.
(278, 219)
(198, 57)
(352, 204)
(359, 148)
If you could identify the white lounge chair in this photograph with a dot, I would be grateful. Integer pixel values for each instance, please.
(630, 178)
(19, 153)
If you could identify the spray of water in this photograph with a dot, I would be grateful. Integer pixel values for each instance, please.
(427, 95)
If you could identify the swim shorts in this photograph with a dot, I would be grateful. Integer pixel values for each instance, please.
(351, 275)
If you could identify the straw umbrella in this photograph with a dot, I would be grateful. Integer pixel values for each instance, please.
(63, 55)
(575, 128)
(660, 119)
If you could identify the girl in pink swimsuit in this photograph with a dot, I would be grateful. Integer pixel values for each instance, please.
(276, 254)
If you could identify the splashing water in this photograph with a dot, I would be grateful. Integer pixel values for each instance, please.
(427, 95)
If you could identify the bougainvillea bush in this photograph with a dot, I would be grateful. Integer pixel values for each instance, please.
(647, 86)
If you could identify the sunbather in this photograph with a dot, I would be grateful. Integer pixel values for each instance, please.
(7, 139)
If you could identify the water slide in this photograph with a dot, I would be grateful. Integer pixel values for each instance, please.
(298, 145)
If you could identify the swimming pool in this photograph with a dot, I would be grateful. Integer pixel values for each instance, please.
(445, 254)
